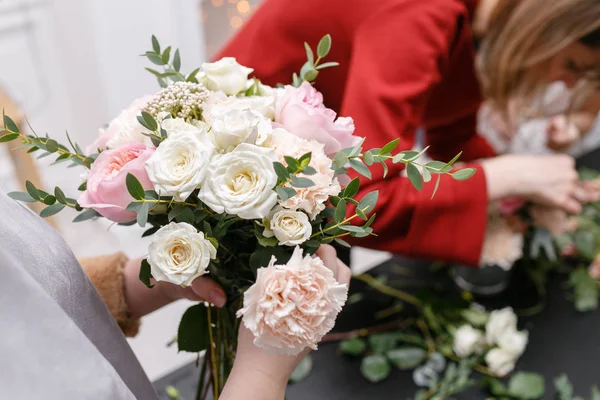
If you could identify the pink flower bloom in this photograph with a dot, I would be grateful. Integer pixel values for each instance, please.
(510, 205)
(594, 269)
(106, 188)
(292, 306)
(301, 112)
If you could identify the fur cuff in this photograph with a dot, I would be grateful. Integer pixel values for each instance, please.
(106, 274)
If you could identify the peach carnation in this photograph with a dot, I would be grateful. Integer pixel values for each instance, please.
(502, 245)
(292, 306)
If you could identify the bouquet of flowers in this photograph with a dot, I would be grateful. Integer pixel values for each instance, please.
(546, 239)
(239, 181)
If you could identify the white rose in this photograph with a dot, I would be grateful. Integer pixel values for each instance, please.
(179, 164)
(241, 182)
(500, 322)
(500, 362)
(179, 254)
(514, 341)
(289, 227)
(236, 126)
(468, 340)
(226, 75)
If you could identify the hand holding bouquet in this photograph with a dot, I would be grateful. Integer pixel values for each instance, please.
(237, 181)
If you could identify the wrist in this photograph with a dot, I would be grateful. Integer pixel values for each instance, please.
(250, 382)
(500, 178)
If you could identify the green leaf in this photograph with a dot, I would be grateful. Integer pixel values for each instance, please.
(368, 202)
(186, 215)
(455, 159)
(177, 61)
(281, 171)
(359, 167)
(340, 160)
(302, 370)
(526, 385)
(340, 211)
(134, 187)
(586, 290)
(32, 190)
(309, 53)
(22, 196)
(464, 174)
(352, 228)
(292, 164)
(60, 195)
(368, 158)
(496, 387)
(563, 388)
(148, 121)
(155, 45)
(352, 189)
(438, 167)
(437, 185)
(475, 317)
(301, 182)
(342, 242)
(192, 335)
(51, 146)
(8, 137)
(166, 55)
(385, 168)
(391, 146)
(305, 159)
(142, 215)
(381, 343)
(324, 46)
(309, 170)
(145, 273)
(414, 176)
(192, 76)
(353, 347)
(375, 368)
(595, 393)
(49, 200)
(87, 214)
(51, 210)
(327, 65)
(426, 175)
(585, 243)
(407, 357)
(9, 124)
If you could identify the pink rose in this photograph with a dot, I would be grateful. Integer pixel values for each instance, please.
(510, 205)
(594, 269)
(301, 112)
(123, 129)
(292, 306)
(106, 188)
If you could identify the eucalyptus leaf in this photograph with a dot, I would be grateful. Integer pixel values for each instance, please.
(563, 387)
(145, 274)
(414, 176)
(51, 210)
(464, 174)
(87, 214)
(285, 193)
(324, 46)
(359, 167)
(526, 386)
(8, 137)
(177, 61)
(585, 289)
(134, 187)
(340, 211)
(381, 343)
(391, 146)
(9, 124)
(309, 53)
(407, 357)
(302, 370)
(22, 196)
(353, 347)
(142, 215)
(368, 202)
(375, 368)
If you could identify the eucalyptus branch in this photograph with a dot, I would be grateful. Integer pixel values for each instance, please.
(337, 225)
(390, 291)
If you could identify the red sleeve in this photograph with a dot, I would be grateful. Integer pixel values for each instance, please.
(392, 73)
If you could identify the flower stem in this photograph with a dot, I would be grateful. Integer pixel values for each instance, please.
(213, 357)
(390, 291)
(344, 222)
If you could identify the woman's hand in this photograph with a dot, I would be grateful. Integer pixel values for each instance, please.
(549, 180)
(257, 375)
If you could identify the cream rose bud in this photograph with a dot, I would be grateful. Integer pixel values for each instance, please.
(500, 362)
(500, 322)
(241, 182)
(514, 341)
(176, 125)
(226, 75)
(290, 227)
(179, 254)
(292, 306)
(468, 340)
(235, 126)
(179, 165)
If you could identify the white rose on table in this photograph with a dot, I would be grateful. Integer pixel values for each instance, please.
(226, 75)
(292, 306)
(500, 361)
(513, 341)
(499, 323)
(179, 165)
(468, 340)
(179, 254)
(241, 182)
(236, 126)
(290, 227)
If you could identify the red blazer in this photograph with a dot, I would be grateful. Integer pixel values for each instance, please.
(405, 64)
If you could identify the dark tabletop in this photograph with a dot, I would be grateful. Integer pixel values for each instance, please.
(561, 340)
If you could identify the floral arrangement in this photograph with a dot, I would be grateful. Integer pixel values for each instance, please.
(238, 181)
(540, 237)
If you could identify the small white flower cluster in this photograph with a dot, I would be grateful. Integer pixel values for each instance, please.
(501, 335)
(181, 100)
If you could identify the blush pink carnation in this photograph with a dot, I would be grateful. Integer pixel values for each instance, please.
(301, 111)
(124, 129)
(106, 188)
(291, 307)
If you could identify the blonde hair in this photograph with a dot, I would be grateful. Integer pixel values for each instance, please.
(527, 33)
